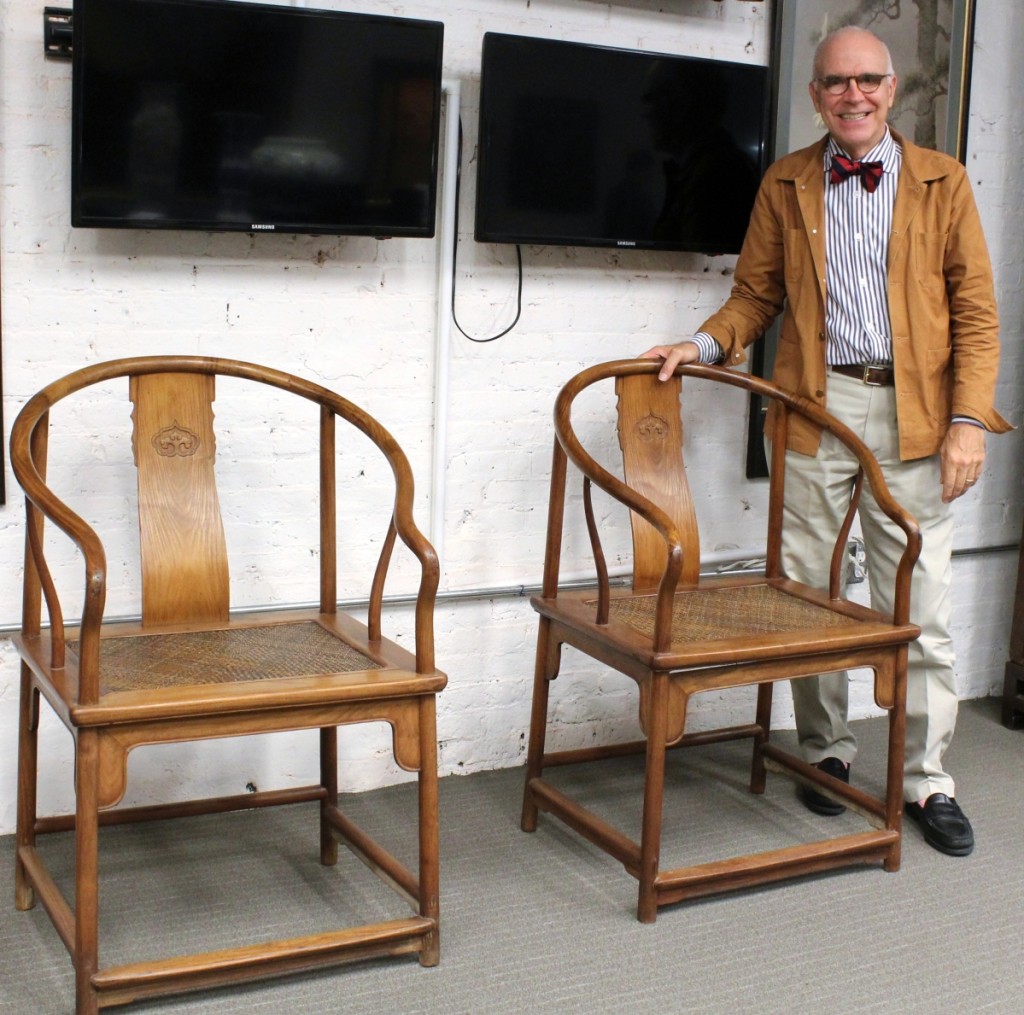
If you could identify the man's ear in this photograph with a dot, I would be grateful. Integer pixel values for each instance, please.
(892, 90)
(813, 92)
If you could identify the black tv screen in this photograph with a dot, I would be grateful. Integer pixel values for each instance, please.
(596, 146)
(225, 115)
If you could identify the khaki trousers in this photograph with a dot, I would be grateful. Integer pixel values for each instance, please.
(817, 496)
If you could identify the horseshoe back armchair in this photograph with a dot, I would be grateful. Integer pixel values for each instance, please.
(191, 669)
(676, 634)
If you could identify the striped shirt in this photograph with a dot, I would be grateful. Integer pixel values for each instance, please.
(857, 228)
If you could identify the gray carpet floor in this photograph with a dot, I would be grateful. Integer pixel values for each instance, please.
(546, 923)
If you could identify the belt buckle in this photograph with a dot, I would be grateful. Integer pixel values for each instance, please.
(869, 370)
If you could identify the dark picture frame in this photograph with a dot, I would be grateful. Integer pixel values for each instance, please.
(931, 42)
(3, 429)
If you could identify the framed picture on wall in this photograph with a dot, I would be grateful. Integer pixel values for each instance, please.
(931, 43)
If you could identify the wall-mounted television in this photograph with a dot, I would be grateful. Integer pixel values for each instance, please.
(227, 115)
(596, 146)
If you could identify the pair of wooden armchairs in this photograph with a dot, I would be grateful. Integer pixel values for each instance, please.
(192, 669)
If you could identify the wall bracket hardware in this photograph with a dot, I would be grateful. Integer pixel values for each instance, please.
(57, 31)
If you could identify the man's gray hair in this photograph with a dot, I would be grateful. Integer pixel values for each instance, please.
(847, 30)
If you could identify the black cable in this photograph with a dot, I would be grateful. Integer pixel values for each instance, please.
(455, 252)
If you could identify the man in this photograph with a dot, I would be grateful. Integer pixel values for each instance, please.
(872, 249)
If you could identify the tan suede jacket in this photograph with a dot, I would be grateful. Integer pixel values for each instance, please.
(941, 301)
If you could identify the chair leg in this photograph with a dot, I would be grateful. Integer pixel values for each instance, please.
(329, 781)
(894, 773)
(546, 669)
(86, 951)
(654, 795)
(430, 953)
(28, 766)
(764, 722)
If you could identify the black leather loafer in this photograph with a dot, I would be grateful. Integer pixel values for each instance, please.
(945, 826)
(818, 802)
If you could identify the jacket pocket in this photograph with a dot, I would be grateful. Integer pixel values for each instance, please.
(928, 251)
(797, 257)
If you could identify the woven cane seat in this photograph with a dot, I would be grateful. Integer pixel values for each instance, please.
(203, 657)
(714, 614)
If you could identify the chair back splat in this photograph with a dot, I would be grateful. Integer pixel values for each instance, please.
(190, 669)
(650, 432)
(677, 634)
(182, 549)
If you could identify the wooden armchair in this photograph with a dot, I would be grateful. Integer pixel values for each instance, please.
(677, 634)
(192, 670)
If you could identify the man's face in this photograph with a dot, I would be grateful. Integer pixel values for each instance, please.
(855, 120)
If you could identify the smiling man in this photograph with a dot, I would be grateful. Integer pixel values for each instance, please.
(872, 250)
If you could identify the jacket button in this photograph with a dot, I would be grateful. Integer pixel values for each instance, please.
(819, 393)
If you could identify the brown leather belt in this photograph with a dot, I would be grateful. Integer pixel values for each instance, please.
(867, 373)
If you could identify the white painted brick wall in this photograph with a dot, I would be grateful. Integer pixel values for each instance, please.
(358, 315)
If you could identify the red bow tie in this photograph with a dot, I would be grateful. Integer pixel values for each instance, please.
(869, 172)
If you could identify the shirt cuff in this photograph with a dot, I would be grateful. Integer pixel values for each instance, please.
(709, 347)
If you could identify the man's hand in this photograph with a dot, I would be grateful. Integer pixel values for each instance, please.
(673, 355)
(961, 457)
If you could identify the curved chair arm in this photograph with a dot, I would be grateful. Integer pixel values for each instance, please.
(28, 460)
(573, 449)
(867, 461)
(401, 524)
(615, 488)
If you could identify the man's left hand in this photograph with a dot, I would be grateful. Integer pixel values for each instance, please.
(961, 457)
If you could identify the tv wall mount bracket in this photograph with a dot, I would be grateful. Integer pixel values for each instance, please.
(57, 31)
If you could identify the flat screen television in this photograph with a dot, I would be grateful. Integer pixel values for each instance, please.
(226, 115)
(595, 146)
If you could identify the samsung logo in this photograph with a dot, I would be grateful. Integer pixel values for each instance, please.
(625, 243)
(262, 228)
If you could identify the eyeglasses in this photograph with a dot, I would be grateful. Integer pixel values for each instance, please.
(837, 84)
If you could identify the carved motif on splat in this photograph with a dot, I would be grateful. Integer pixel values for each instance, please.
(176, 441)
(652, 428)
